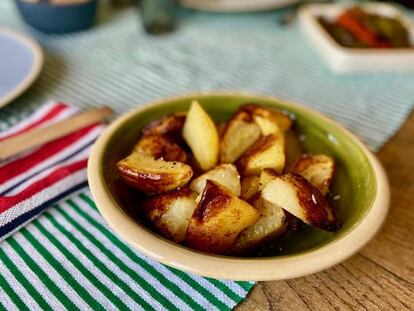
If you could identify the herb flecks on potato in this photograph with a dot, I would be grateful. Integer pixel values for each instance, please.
(271, 224)
(317, 169)
(299, 197)
(267, 152)
(170, 126)
(266, 176)
(228, 193)
(224, 174)
(160, 146)
(270, 121)
(149, 175)
(249, 186)
(219, 218)
(170, 212)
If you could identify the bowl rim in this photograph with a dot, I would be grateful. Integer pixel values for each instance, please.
(265, 269)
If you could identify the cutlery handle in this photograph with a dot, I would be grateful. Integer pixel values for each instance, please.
(39, 136)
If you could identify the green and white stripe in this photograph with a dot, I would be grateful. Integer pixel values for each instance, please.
(69, 259)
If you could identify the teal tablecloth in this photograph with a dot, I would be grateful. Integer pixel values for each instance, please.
(116, 63)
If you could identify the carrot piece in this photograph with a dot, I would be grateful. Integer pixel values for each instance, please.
(349, 22)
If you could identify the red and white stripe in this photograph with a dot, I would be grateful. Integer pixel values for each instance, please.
(39, 176)
(33, 163)
(49, 113)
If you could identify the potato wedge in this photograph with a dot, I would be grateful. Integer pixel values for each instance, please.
(267, 126)
(218, 219)
(161, 147)
(170, 212)
(270, 121)
(249, 187)
(266, 176)
(267, 152)
(148, 175)
(170, 126)
(224, 174)
(299, 197)
(271, 224)
(200, 133)
(239, 134)
(317, 169)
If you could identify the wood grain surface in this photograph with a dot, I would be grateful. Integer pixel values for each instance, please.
(381, 276)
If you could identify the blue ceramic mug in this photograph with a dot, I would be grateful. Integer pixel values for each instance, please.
(50, 17)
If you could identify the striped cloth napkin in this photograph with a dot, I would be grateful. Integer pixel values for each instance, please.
(33, 181)
(67, 258)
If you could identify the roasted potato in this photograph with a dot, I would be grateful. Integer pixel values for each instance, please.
(170, 212)
(299, 197)
(161, 147)
(224, 174)
(317, 169)
(271, 224)
(249, 187)
(218, 219)
(200, 133)
(266, 176)
(270, 121)
(228, 188)
(149, 175)
(267, 152)
(238, 135)
(170, 126)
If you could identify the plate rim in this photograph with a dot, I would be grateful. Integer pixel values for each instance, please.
(235, 6)
(36, 68)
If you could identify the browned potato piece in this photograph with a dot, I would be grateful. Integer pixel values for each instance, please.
(201, 135)
(267, 152)
(271, 224)
(170, 212)
(218, 219)
(146, 174)
(170, 126)
(224, 174)
(270, 121)
(293, 148)
(239, 134)
(249, 187)
(299, 197)
(317, 169)
(159, 146)
(266, 176)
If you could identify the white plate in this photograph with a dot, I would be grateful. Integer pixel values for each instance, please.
(352, 60)
(236, 5)
(21, 60)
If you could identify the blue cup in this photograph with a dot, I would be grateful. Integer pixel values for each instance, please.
(52, 18)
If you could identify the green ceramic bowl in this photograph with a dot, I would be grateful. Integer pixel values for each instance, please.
(360, 184)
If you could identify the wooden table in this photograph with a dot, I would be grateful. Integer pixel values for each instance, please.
(381, 276)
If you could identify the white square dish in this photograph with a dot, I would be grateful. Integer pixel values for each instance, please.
(352, 60)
